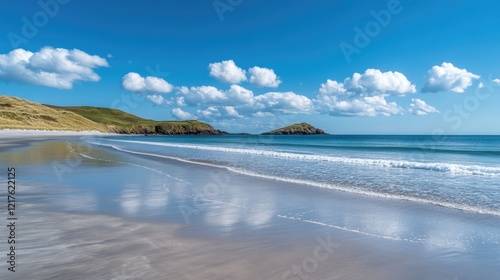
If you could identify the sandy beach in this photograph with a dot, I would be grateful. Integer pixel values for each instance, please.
(30, 134)
(87, 212)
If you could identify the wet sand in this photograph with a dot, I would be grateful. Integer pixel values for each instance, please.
(111, 215)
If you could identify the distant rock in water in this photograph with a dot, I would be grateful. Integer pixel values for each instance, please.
(296, 129)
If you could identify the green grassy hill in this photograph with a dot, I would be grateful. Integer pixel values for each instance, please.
(16, 113)
(121, 122)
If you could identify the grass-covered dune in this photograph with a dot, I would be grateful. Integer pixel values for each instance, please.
(16, 113)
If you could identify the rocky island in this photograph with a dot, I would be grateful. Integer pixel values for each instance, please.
(296, 129)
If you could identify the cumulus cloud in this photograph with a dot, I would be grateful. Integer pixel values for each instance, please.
(239, 95)
(232, 112)
(239, 102)
(367, 106)
(156, 99)
(372, 82)
(182, 115)
(448, 78)
(209, 113)
(496, 81)
(209, 95)
(375, 82)
(282, 103)
(227, 71)
(364, 94)
(263, 77)
(51, 67)
(199, 96)
(136, 83)
(420, 108)
(220, 112)
(333, 87)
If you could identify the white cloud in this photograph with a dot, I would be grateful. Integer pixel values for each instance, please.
(263, 77)
(367, 106)
(51, 67)
(239, 102)
(232, 112)
(374, 82)
(136, 83)
(209, 113)
(239, 95)
(227, 71)
(496, 81)
(200, 96)
(219, 112)
(481, 85)
(156, 99)
(209, 95)
(420, 108)
(448, 78)
(364, 94)
(283, 103)
(333, 87)
(183, 115)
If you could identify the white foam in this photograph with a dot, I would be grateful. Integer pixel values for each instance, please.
(343, 228)
(453, 168)
(457, 206)
(127, 163)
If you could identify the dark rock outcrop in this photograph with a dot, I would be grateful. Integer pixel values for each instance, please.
(296, 129)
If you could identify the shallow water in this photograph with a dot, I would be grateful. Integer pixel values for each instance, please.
(460, 172)
(217, 204)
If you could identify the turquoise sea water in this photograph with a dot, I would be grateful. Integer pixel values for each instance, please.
(460, 172)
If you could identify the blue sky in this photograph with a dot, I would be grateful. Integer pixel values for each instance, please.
(415, 67)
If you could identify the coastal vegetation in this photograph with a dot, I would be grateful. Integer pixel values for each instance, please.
(16, 113)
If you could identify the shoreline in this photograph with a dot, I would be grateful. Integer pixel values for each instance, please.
(9, 133)
(127, 221)
(97, 246)
(448, 205)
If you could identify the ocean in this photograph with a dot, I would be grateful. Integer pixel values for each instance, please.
(460, 172)
(395, 207)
